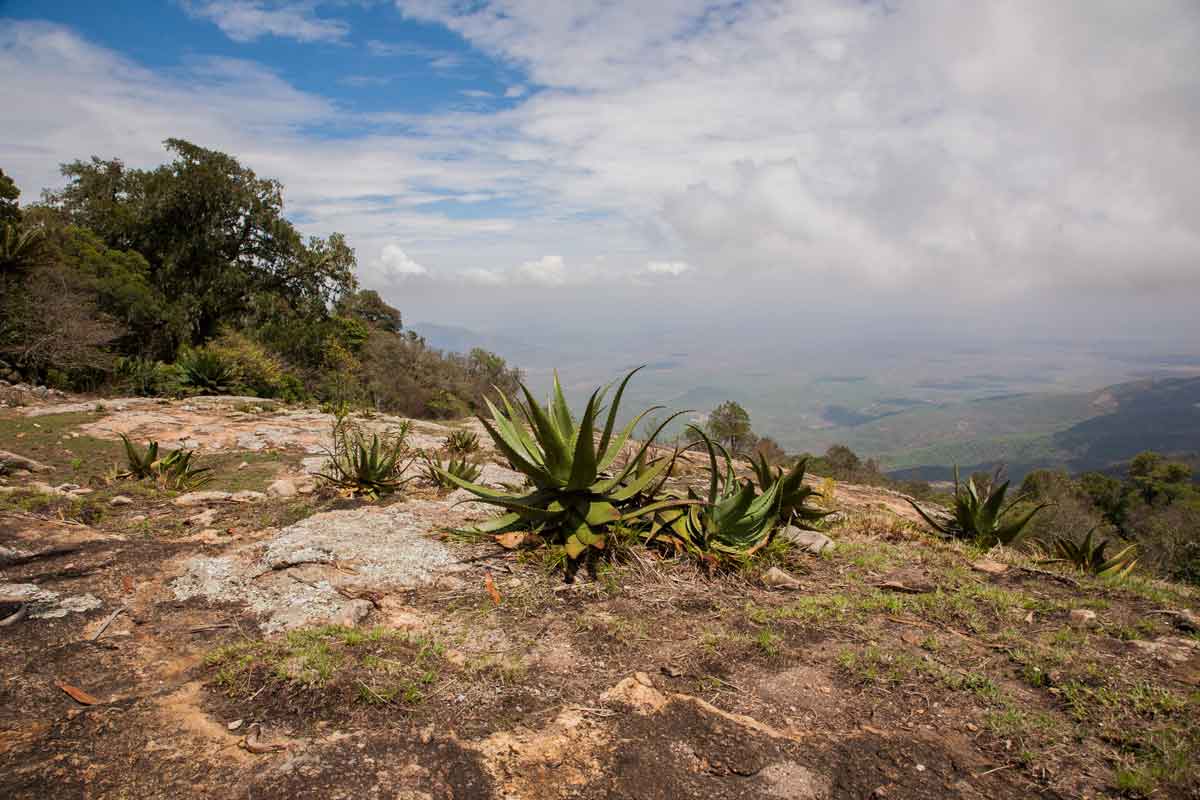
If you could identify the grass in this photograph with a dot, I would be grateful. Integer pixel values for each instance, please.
(332, 664)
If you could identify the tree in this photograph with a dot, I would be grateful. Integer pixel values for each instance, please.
(368, 306)
(729, 424)
(10, 212)
(214, 236)
(843, 461)
(769, 449)
(1156, 479)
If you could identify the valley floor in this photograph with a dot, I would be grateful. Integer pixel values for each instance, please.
(268, 640)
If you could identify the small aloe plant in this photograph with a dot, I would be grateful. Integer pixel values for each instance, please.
(460, 467)
(1088, 556)
(733, 521)
(979, 513)
(175, 470)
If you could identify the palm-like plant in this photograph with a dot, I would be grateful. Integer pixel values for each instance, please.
(1088, 556)
(19, 246)
(140, 462)
(979, 513)
(575, 498)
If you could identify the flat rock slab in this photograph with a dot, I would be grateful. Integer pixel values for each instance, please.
(224, 423)
(292, 579)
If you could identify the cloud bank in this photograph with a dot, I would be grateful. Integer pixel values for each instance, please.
(1032, 148)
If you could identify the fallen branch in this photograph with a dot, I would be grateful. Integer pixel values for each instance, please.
(16, 616)
(100, 631)
(1052, 575)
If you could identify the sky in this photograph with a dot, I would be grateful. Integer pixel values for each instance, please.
(998, 168)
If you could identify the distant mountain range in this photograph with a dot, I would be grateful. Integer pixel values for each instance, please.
(1154, 414)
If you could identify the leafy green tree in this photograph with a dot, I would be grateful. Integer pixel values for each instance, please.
(729, 424)
(10, 212)
(843, 461)
(213, 234)
(367, 305)
(1158, 480)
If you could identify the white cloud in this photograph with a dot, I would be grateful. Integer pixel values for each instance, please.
(1041, 147)
(672, 268)
(515, 91)
(396, 264)
(546, 271)
(247, 20)
(478, 93)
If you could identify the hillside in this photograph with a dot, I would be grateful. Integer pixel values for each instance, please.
(268, 637)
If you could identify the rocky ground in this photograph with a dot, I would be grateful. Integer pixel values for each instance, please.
(265, 638)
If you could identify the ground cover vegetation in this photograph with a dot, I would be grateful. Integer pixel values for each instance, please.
(189, 279)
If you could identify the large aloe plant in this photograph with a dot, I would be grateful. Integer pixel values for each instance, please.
(577, 495)
(733, 520)
(979, 514)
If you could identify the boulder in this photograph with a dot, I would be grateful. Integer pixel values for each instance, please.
(283, 487)
(12, 461)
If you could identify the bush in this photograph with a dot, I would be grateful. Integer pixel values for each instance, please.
(258, 371)
(206, 372)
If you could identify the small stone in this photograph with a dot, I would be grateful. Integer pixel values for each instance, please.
(202, 520)
(282, 488)
(202, 498)
(233, 726)
(1082, 617)
(121, 500)
(920, 767)
(247, 496)
(775, 578)
(352, 613)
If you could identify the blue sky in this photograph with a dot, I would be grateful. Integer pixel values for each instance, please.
(566, 161)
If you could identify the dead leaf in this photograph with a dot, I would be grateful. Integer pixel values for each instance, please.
(77, 694)
(127, 584)
(990, 567)
(252, 741)
(511, 540)
(490, 585)
(775, 578)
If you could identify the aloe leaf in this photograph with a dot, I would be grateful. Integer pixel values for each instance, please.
(612, 413)
(583, 461)
(942, 529)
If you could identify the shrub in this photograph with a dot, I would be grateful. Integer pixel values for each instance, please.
(148, 378)
(979, 514)
(257, 370)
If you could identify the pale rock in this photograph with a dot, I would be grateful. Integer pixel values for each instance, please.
(202, 498)
(1083, 618)
(121, 500)
(202, 520)
(283, 487)
(13, 461)
(247, 496)
(352, 614)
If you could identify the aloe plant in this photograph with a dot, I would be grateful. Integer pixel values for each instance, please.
(1088, 556)
(577, 496)
(175, 470)
(206, 372)
(794, 494)
(462, 442)
(368, 468)
(460, 467)
(733, 521)
(979, 514)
